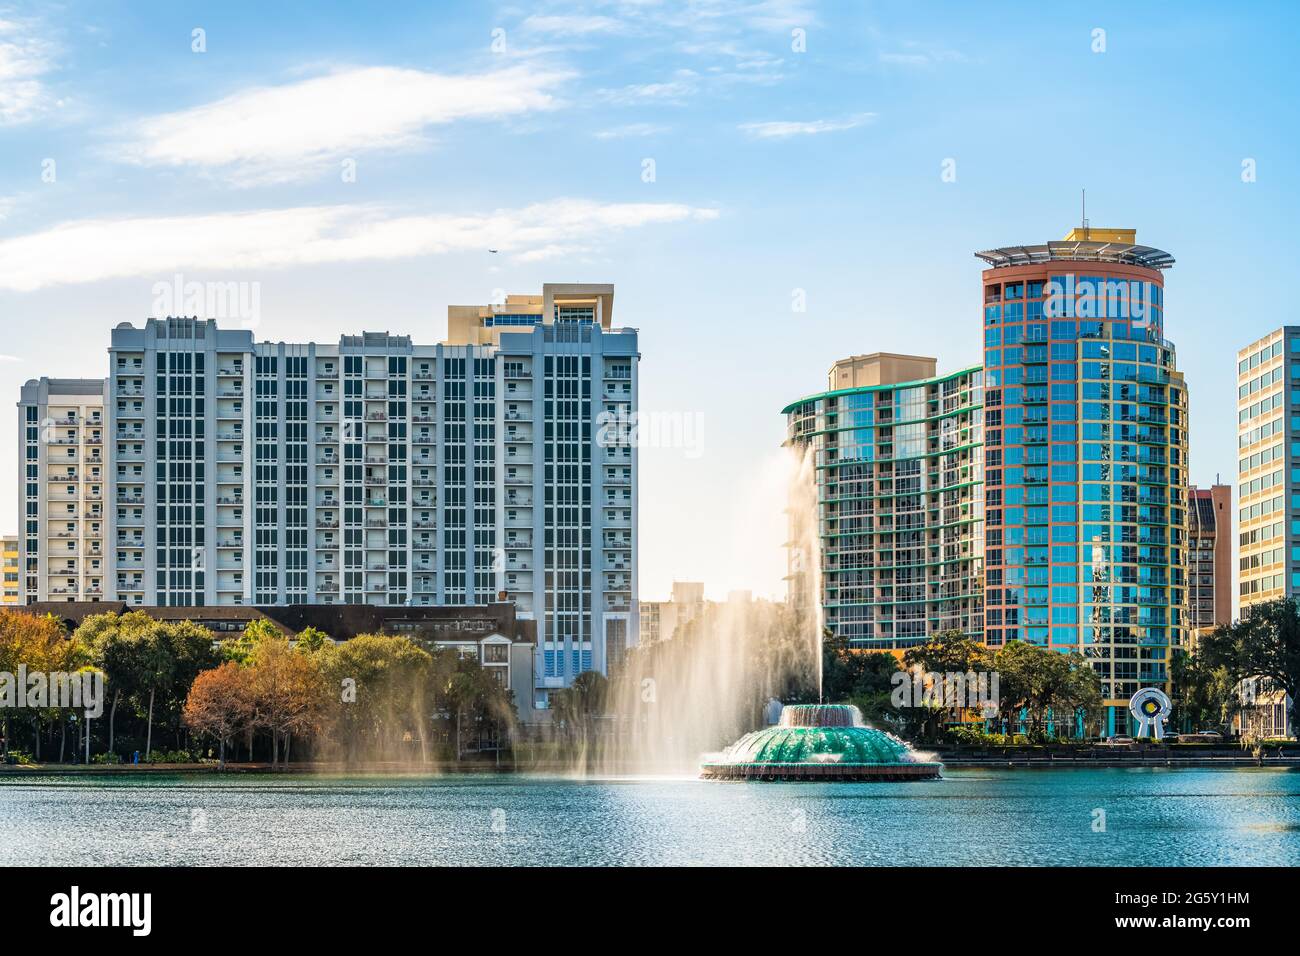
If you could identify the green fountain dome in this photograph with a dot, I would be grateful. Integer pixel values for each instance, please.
(820, 741)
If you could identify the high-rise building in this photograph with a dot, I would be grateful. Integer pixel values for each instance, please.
(1209, 557)
(1085, 458)
(662, 620)
(377, 471)
(898, 464)
(12, 595)
(566, 465)
(1266, 408)
(62, 483)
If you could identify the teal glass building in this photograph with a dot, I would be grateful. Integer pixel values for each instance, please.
(1085, 428)
(898, 463)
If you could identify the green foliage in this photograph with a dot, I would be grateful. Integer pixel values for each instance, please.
(948, 652)
(407, 695)
(173, 756)
(1204, 694)
(1265, 644)
(863, 678)
(1045, 683)
(312, 639)
(240, 648)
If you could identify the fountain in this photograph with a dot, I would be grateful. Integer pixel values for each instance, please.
(820, 742)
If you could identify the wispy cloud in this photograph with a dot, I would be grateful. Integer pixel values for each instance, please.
(293, 131)
(784, 129)
(573, 25)
(683, 84)
(629, 130)
(720, 15)
(25, 59)
(90, 250)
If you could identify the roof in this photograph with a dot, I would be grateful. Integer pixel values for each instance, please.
(1078, 250)
(340, 621)
(835, 393)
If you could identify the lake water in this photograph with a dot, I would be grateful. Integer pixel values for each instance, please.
(1151, 816)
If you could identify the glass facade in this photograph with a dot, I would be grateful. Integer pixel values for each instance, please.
(900, 512)
(1086, 469)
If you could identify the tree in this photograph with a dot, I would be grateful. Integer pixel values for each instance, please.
(116, 643)
(154, 666)
(192, 653)
(860, 677)
(239, 649)
(1265, 644)
(579, 705)
(948, 652)
(32, 641)
(474, 694)
(1044, 683)
(311, 639)
(390, 682)
(220, 703)
(287, 693)
(1203, 695)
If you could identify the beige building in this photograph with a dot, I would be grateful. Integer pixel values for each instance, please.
(559, 302)
(62, 541)
(1263, 481)
(660, 620)
(880, 368)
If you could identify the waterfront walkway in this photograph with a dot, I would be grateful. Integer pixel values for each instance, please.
(1135, 756)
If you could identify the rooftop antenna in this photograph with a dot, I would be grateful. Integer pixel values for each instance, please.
(1083, 212)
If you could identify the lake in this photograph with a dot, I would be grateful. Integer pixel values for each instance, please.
(1134, 817)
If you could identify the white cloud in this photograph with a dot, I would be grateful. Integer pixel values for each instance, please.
(629, 130)
(281, 133)
(684, 84)
(721, 15)
(784, 129)
(24, 59)
(90, 250)
(572, 25)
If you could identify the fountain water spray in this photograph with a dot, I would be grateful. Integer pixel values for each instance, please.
(674, 700)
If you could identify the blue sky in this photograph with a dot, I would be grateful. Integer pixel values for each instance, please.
(527, 128)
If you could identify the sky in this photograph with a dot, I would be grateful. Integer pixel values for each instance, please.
(770, 186)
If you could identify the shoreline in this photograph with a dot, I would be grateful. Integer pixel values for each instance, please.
(950, 761)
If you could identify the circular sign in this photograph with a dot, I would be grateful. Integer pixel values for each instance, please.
(1151, 707)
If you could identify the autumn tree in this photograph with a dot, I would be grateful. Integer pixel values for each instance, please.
(39, 644)
(220, 703)
(287, 693)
